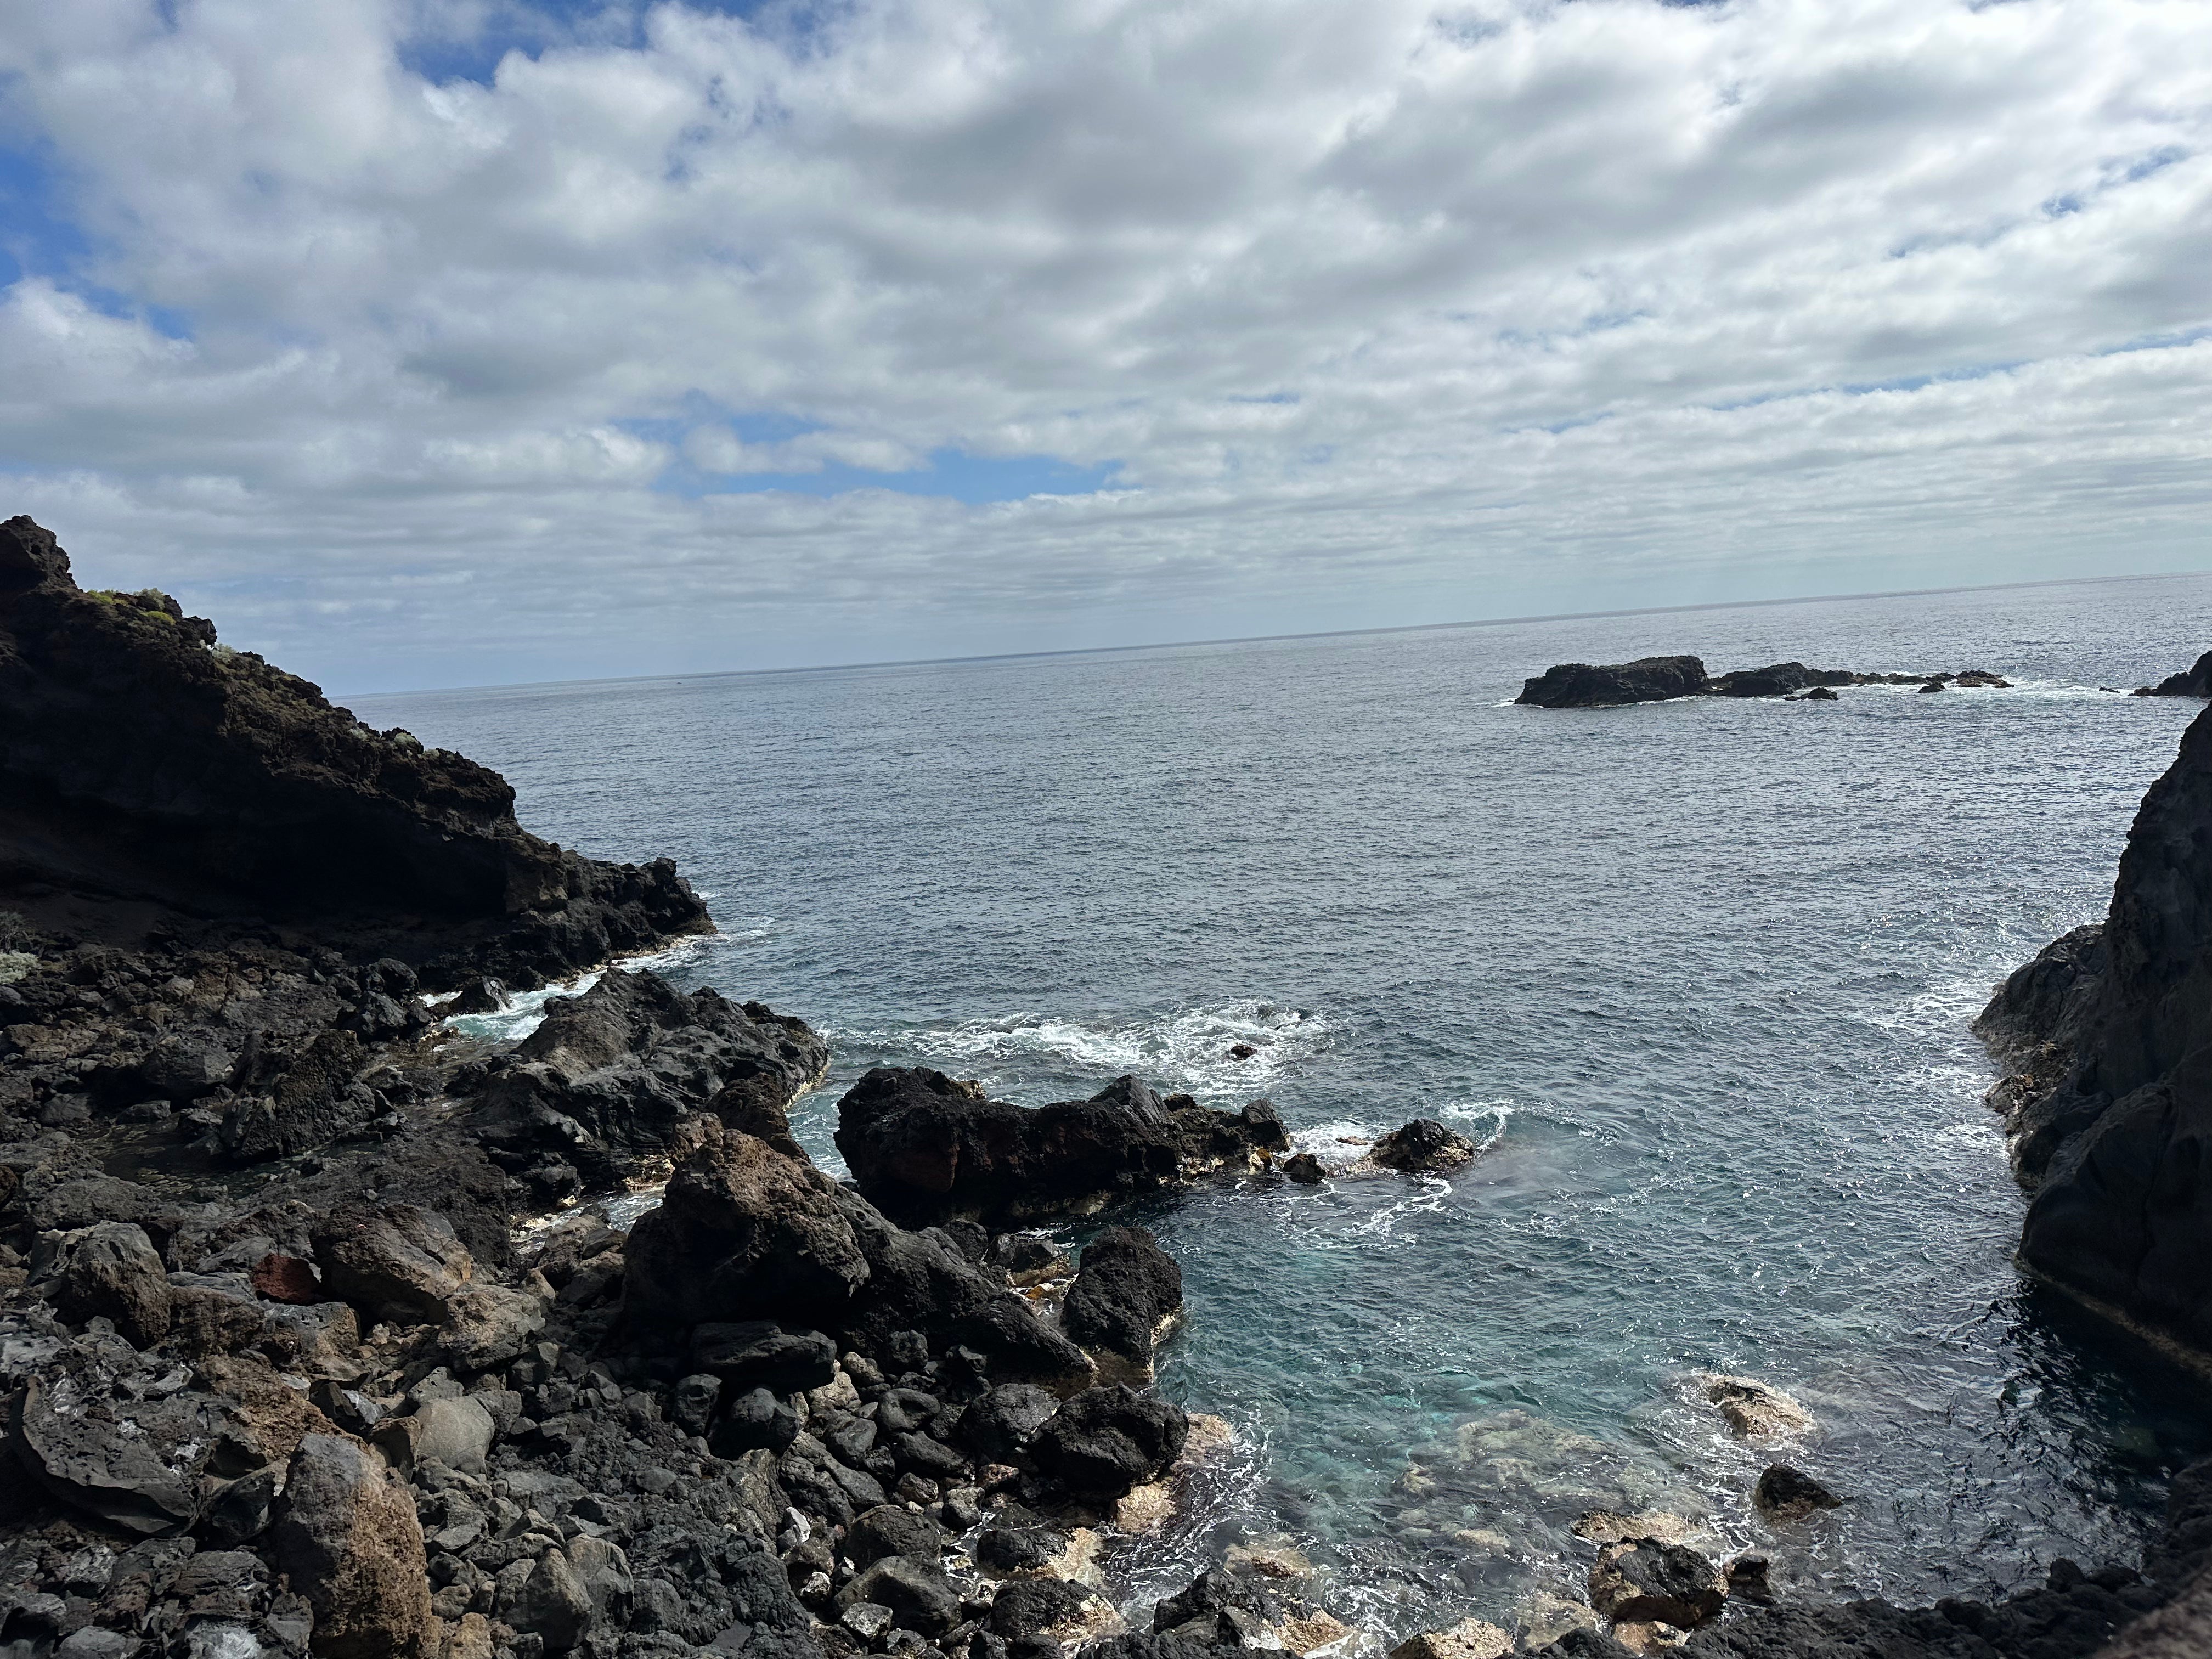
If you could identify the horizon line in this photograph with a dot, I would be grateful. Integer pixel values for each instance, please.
(1268, 639)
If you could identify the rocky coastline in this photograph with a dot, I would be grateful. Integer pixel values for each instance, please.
(307, 1346)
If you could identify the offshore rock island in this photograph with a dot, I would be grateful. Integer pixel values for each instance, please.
(308, 1346)
(1663, 679)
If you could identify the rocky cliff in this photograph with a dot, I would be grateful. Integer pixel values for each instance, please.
(142, 762)
(2108, 1033)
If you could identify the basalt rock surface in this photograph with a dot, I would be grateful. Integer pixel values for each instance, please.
(2109, 1103)
(141, 763)
(924, 1147)
(605, 1079)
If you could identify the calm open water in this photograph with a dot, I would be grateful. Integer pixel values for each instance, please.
(1698, 973)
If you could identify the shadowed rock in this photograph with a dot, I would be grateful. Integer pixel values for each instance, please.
(2110, 1104)
(924, 1147)
(2195, 681)
(1590, 685)
(140, 759)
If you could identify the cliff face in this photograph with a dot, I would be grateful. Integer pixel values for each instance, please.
(142, 760)
(2110, 1034)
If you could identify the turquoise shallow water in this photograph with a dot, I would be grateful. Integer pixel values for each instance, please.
(1697, 974)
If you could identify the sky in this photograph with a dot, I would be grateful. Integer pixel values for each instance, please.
(426, 344)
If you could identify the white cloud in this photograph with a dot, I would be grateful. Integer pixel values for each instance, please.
(1378, 312)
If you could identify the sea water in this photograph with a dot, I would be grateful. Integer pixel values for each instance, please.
(1697, 975)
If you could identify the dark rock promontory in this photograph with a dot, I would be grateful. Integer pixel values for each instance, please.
(2195, 681)
(927, 1147)
(2109, 1034)
(141, 762)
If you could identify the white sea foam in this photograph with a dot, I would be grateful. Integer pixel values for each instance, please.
(521, 1014)
(525, 1013)
(1187, 1048)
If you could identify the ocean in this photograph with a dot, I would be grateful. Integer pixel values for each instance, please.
(1697, 975)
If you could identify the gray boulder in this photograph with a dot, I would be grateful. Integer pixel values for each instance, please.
(347, 1536)
(110, 1271)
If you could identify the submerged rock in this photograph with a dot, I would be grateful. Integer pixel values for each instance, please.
(1790, 1494)
(1755, 1410)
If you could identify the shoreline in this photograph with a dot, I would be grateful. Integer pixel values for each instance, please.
(329, 1262)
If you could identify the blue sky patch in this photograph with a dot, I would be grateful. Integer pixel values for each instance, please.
(951, 474)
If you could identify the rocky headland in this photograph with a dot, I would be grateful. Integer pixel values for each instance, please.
(307, 1347)
(1663, 679)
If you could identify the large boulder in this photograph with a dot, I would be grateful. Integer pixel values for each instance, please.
(1104, 1442)
(924, 1282)
(134, 1462)
(110, 1271)
(393, 1262)
(924, 1147)
(347, 1536)
(1126, 1292)
(608, 1075)
(1587, 685)
(293, 1097)
(1422, 1148)
(742, 1233)
(1777, 680)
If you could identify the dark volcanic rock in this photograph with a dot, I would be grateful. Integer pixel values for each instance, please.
(1646, 1580)
(1586, 685)
(2195, 681)
(742, 1233)
(924, 1147)
(1423, 1146)
(1790, 1494)
(608, 1074)
(139, 758)
(348, 1539)
(1126, 1293)
(1777, 680)
(1105, 1440)
(2110, 1107)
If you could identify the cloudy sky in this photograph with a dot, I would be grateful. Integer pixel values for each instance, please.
(445, 343)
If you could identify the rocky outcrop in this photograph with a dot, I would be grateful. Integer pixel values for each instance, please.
(1125, 1295)
(1424, 1146)
(1662, 679)
(2109, 1103)
(2195, 681)
(1590, 685)
(141, 759)
(604, 1079)
(924, 1147)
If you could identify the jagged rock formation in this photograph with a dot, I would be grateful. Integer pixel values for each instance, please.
(927, 1147)
(2108, 1033)
(2195, 681)
(141, 761)
(1662, 679)
(604, 1081)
